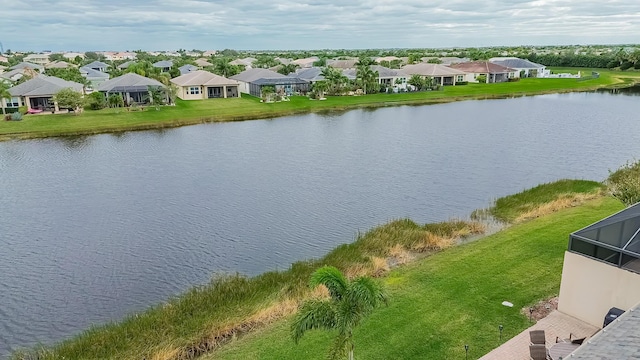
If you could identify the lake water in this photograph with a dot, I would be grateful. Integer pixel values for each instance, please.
(94, 228)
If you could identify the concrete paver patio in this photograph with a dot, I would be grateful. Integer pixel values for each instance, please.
(556, 324)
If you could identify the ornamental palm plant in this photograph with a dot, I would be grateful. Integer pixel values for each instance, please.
(348, 304)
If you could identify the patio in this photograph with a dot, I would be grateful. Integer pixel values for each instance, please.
(556, 324)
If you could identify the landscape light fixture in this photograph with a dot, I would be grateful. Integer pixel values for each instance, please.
(500, 327)
(466, 351)
(530, 314)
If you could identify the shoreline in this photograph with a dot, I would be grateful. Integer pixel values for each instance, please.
(431, 98)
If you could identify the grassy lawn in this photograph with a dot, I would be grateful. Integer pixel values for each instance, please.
(247, 107)
(450, 299)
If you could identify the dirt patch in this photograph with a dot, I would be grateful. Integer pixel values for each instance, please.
(541, 309)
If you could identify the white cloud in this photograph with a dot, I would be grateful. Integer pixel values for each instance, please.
(313, 24)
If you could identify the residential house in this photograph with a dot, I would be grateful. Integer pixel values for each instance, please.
(98, 66)
(253, 80)
(184, 69)
(396, 79)
(442, 75)
(209, 53)
(132, 87)
(494, 73)
(250, 75)
(200, 84)
(601, 267)
(343, 64)
(73, 55)
(387, 58)
(306, 62)
(283, 61)
(246, 62)
(125, 65)
(202, 62)
(4, 59)
(38, 92)
(57, 65)
(26, 65)
(40, 59)
(314, 74)
(524, 67)
(95, 77)
(15, 75)
(163, 65)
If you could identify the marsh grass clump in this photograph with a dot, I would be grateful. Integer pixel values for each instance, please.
(509, 208)
(624, 183)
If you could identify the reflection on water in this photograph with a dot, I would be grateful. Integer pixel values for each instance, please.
(94, 228)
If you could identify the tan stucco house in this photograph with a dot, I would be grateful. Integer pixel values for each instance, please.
(38, 92)
(442, 75)
(200, 84)
(602, 268)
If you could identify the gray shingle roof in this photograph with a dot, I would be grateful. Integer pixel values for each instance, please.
(619, 340)
(185, 69)
(125, 65)
(24, 65)
(90, 73)
(280, 81)
(251, 75)
(516, 63)
(43, 86)
(97, 65)
(163, 64)
(309, 74)
(128, 82)
(383, 72)
(202, 78)
(424, 69)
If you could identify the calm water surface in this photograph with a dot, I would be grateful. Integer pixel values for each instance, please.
(98, 227)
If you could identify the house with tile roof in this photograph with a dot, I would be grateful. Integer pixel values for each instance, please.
(163, 65)
(396, 79)
(187, 68)
(442, 75)
(494, 73)
(28, 65)
(98, 66)
(200, 84)
(94, 77)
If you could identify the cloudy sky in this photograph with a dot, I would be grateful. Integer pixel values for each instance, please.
(84, 25)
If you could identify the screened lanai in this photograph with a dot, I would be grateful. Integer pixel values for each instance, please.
(615, 240)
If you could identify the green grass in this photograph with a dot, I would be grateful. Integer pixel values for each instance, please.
(451, 299)
(247, 107)
(188, 320)
(508, 208)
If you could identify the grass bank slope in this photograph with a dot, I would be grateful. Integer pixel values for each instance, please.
(450, 299)
(247, 107)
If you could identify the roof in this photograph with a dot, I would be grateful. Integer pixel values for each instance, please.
(202, 78)
(43, 86)
(306, 62)
(128, 82)
(383, 72)
(615, 240)
(90, 73)
(446, 60)
(481, 67)
(13, 74)
(387, 58)
(203, 62)
(309, 74)
(184, 69)
(619, 340)
(251, 75)
(24, 65)
(342, 64)
(97, 65)
(280, 81)
(125, 65)
(163, 64)
(516, 63)
(57, 65)
(425, 69)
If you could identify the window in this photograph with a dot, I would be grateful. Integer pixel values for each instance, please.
(459, 78)
(13, 102)
(194, 90)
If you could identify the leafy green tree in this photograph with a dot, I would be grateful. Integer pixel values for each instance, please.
(93, 56)
(56, 57)
(68, 98)
(265, 61)
(367, 78)
(320, 87)
(223, 67)
(349, 303)
(336, 79)
(416, 81)
(288, 69)
(267, 92)
(95, 101)
(434, 61)
(70, 74)
(158, 96)
(320, 62)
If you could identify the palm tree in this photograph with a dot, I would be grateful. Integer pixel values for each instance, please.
(348, 304)
(320, 87)
(366, 76)
(287, 69)
(4, 94)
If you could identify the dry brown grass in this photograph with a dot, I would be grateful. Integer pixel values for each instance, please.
(562, 202)
(398, 255)
(167, 353)
(431, 242)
